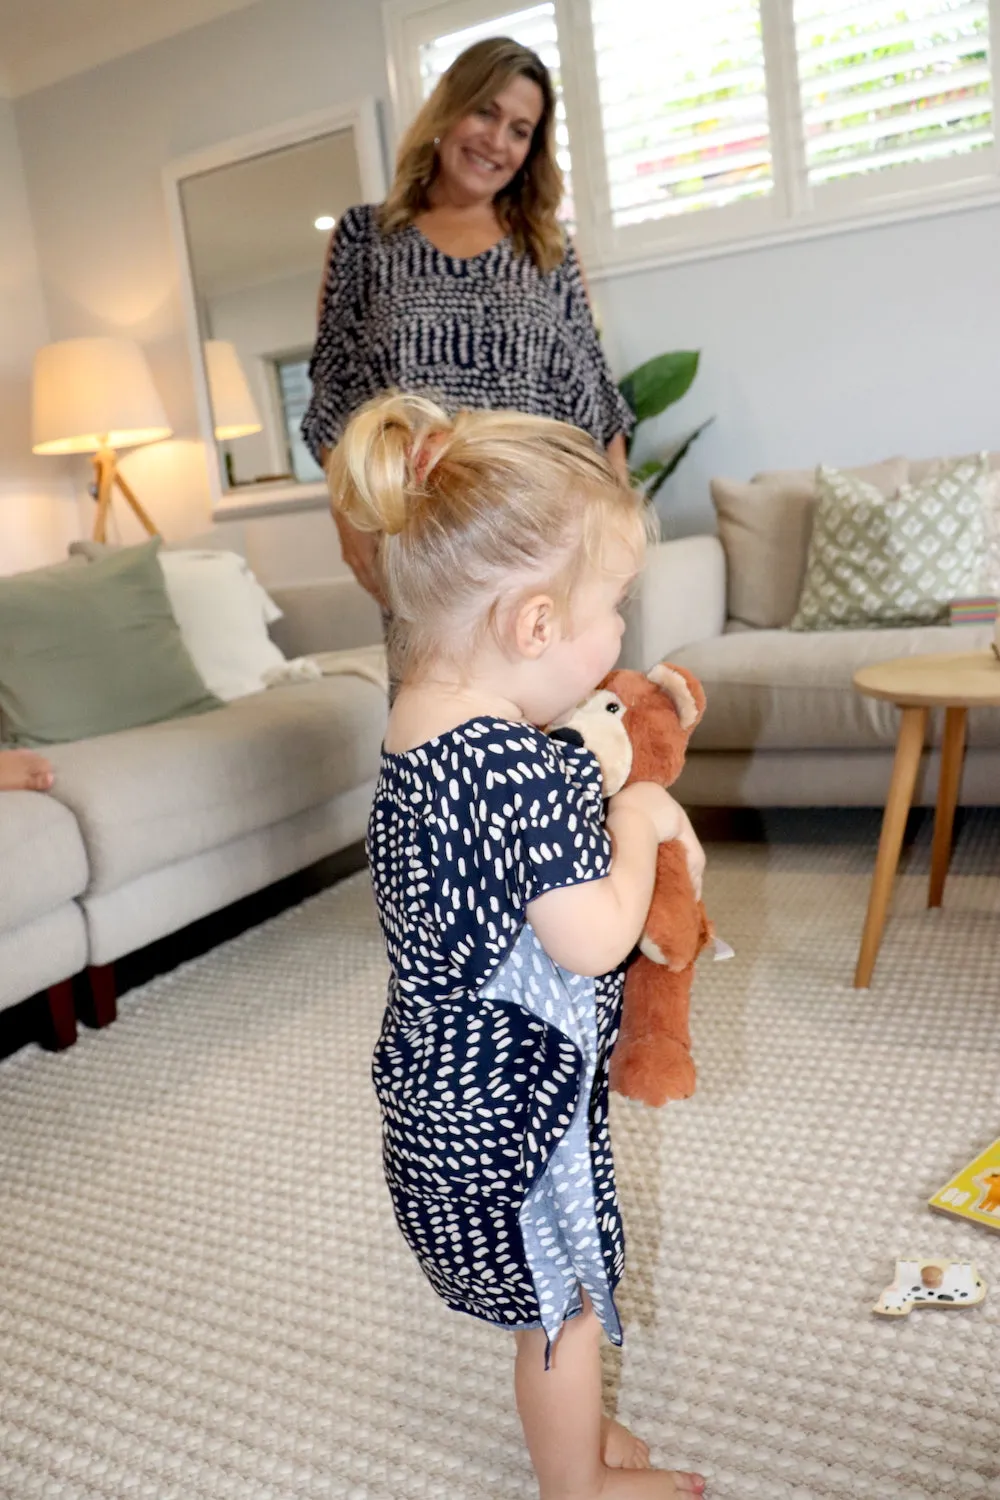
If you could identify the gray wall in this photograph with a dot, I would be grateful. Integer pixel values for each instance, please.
(843, 349)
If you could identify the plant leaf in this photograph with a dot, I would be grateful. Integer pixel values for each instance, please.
(651, 387)
(645, 471)
(673, 457)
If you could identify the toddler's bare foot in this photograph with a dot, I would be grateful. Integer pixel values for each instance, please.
(24, 771)
(649, 1484)
(620, 1448)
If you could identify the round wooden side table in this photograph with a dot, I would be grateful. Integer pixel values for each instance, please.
(917, 684)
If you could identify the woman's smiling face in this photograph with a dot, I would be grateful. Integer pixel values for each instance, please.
(485, 150)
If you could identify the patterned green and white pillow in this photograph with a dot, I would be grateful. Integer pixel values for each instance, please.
(901, 561)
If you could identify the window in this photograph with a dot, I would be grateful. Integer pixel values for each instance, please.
(885, 85)
(294, 390)
(684, 128)
(728, 121)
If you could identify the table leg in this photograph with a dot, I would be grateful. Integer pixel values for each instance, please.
(952, 753)
(909, 745)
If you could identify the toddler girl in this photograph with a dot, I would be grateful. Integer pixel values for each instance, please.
(507, 898)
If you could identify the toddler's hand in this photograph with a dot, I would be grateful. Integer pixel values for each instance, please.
(654, 803)
(668, 819)
(693, 851)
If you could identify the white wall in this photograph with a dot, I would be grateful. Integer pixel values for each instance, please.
(38, 514)
(844, 348)
(94, 148)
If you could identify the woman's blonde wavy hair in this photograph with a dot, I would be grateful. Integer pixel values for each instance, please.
(528, 205)
(473, 512)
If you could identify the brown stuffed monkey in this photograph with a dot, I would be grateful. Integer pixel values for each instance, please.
(638, 727)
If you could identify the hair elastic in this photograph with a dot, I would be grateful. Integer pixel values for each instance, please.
(422, 453)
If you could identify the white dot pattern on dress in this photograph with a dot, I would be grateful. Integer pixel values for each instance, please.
(491, 1067)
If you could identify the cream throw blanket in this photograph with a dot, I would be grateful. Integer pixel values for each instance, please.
(368, 662)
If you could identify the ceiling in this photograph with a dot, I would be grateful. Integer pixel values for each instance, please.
(253, 221)
(43, 41)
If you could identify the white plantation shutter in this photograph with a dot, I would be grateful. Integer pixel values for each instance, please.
(683, 105)
(889, 84)
(534, 27)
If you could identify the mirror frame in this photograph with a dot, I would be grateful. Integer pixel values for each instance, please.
(360, 116)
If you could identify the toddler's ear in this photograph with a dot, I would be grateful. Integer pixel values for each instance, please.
(533, 626)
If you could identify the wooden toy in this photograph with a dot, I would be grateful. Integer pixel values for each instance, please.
(974, 1192)
(931, 1283)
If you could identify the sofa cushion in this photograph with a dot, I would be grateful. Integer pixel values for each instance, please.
(222, 611)
(148, 797)
(42, 859)
(765, 527)
(44, 951)
(930, 467)
(89, 650)
(779, 690)
(899, 561)
(921, 468)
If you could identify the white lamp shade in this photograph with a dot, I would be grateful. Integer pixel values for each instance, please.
(234, 411)
(94, 393)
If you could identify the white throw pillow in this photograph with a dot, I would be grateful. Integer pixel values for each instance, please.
(223, 614)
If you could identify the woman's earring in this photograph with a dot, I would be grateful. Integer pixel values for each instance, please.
(437, 140)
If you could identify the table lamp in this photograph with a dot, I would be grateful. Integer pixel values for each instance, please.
(93, 395)
(234, 411)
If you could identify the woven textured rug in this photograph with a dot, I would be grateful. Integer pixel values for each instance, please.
(204, 1295)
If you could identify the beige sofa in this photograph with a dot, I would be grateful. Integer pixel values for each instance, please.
(784, 725)
(149, 829)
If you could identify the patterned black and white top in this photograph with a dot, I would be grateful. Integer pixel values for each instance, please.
(488, 331)
(492, 1064)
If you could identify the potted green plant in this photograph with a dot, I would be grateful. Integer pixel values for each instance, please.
(649, 390)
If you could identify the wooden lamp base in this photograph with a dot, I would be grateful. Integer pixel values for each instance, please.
(106, 476)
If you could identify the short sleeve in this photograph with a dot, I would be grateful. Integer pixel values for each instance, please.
(337, 362)
(559, 837)
(603, 410)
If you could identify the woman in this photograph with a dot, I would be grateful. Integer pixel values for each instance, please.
(462, 285)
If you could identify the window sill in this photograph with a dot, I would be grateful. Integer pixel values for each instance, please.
(251, 501)
(709, 247)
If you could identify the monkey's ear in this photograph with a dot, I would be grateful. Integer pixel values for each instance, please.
(677, 690)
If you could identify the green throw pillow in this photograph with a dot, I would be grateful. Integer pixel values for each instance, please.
(90, 650)
(899, 561)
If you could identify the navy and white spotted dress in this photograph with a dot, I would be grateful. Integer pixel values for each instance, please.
(492, 1064)
(490, 331)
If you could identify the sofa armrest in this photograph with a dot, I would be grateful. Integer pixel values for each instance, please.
(332, 615)
(681, 599)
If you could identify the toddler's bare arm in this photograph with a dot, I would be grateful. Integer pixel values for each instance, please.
(591, 928)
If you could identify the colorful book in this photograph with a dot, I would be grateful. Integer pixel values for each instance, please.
(977, 611)
(975, 1192)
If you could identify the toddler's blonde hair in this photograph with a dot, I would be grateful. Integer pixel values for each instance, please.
(473, 510)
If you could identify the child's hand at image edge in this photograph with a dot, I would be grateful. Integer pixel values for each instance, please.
(669, 820)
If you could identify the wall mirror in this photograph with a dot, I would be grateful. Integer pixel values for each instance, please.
(252, 221)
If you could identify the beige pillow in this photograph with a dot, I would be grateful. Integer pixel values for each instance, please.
(765, 527)
(923, 468)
